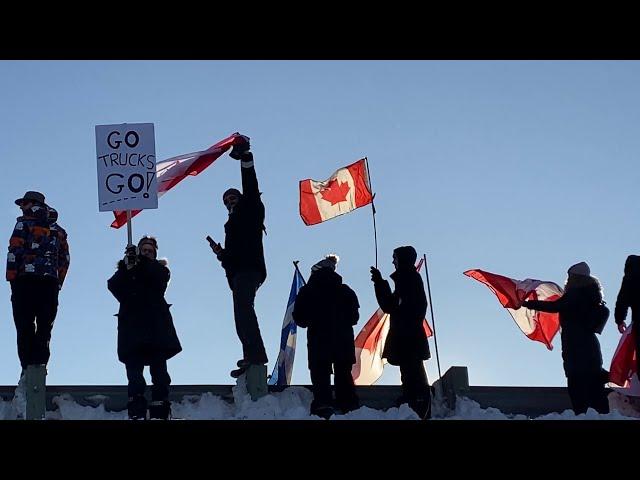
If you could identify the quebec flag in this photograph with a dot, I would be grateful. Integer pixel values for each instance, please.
(284, 366)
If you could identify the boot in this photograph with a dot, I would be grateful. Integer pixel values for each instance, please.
(321, 409)
(346, 405)
(137, 407)
(243, 366)
(238, 372)
(422, 407)
(160, 409)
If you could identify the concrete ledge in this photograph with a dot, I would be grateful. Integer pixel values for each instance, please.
(530, 401)
(114, 397)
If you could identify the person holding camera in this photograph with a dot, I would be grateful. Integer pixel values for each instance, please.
(146, 334)
(407, 345)
(243, 257)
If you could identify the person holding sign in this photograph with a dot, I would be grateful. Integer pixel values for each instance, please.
(37, 263)
(146, 334)
(242, 256)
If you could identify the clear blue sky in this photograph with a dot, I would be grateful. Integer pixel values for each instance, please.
(517, 167)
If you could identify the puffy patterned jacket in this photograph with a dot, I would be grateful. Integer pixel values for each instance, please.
(38, 246)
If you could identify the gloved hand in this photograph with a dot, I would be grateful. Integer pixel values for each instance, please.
(376, 276)
(526, 304)
(240, 148)
(130, 256)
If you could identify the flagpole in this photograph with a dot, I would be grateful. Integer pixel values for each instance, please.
(295, 264)
(435, 335)
(373, 209)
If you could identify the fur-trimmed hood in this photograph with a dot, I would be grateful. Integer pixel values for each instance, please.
(162, 261)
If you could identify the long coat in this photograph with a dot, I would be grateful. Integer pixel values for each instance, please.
(581, 315)
(145, 327)
(329, 309)
(407, 306)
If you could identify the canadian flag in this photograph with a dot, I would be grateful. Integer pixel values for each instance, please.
(623, 363)
(538, 326)
(347, 189)
(370, 345)
(172, 171)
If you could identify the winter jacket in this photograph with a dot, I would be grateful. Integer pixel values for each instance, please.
(38, 246)
(328, 309)
(145, 327)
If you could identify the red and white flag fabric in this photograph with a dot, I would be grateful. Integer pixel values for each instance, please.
(370, 345)
(511, 293)
(347, 189)
(172, 171)
(623, 363)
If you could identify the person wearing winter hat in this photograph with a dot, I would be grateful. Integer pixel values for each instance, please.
(242, 256)
(407, 345)
(328, 308)
(582, 314)
(146, 334)
(580, 269)
(37, 263)
(330, 261)
(629, 297)
(151, 251)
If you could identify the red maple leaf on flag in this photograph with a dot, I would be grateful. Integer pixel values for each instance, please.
(335, 192)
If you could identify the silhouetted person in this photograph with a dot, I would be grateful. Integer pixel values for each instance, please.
(582, 314)
(328, 308)
(37, 264)
(629, 297)
(146, 334)
(407, 345)
(242, 256)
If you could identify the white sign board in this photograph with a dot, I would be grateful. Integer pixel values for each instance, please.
(126, 167)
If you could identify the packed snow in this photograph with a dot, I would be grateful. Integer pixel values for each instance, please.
(293, 404)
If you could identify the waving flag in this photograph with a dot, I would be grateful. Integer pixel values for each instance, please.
(284, 365)
(370, 345)
(538, 326)
(347, 189)
(172, 171)
(623, 363)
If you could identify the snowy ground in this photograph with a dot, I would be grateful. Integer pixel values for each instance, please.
(293, 404)
(467, 409)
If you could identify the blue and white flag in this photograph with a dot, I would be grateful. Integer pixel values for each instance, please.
(284, 366)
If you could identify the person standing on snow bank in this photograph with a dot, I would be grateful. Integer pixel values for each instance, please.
(407, 345)
(582, 314)
(329, 309)
(146, 334)
(37, 264)
(629, 297)
(243, 257)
